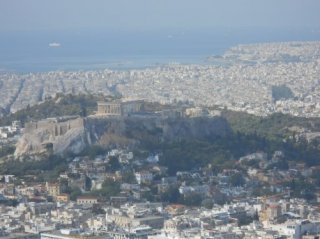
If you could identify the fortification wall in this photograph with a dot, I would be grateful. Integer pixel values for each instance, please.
(54, 126)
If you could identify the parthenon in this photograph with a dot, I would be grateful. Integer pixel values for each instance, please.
(119, 108)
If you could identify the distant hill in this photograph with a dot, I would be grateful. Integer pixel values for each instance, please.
(59, 106)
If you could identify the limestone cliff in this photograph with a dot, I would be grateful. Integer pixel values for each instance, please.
(59, 136)
(53, 135)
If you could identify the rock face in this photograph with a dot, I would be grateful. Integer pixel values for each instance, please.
(73, 134)
(53, 135)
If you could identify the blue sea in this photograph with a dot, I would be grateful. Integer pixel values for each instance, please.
(94, 49)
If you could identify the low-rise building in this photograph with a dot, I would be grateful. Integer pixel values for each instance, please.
(53, 189)
(87, 200)
(63, 198)
(143, 177)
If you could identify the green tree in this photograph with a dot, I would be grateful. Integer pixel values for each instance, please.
(237, 180)
(74, 193)
(109, 188)
(207, 203)
(88, 183)
(113, 164)
(128, 177)
(96, 209)
(172, 195)
(192, 200)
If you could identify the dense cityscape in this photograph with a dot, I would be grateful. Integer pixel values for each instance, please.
(127, 191)
(165, 119)
(228, 205)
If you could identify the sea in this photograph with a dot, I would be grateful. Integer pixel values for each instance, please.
(74, 50)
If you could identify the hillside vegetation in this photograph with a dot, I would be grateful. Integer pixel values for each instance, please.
(58, 106)
(273, 127)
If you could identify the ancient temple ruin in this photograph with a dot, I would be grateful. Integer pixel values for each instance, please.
(119, 108)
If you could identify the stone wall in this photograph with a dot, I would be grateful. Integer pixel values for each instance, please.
(54, 134)
(55, 126)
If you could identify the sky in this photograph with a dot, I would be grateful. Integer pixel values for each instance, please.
(32, 15)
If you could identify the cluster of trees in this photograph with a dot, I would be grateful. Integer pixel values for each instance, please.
(222, 152)
(45, 170)
(6, 150)
(172, 195)
(274, 127)
(281, 92)
(92, 151)
(109, 188)
(302, 188)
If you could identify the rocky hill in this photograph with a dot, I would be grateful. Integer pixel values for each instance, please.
(72, 135)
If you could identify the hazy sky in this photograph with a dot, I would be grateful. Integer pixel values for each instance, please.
(156, 14)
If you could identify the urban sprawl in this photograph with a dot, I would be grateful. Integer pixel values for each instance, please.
(241, 80)
(141, 199)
